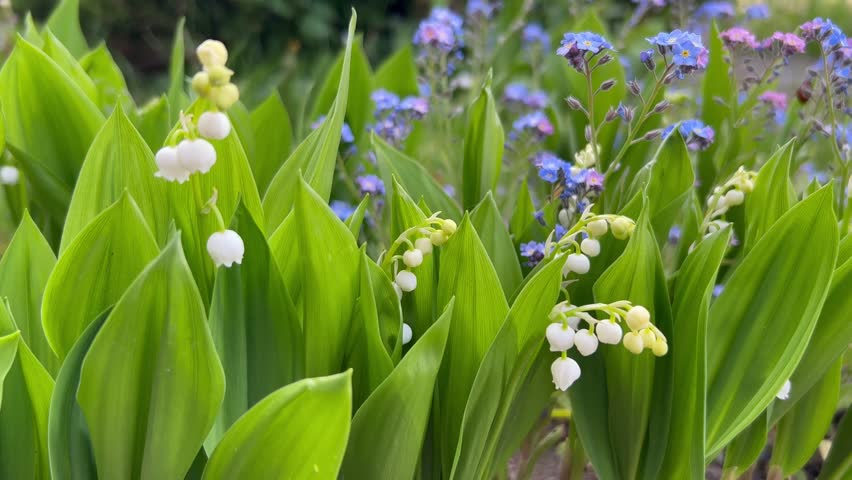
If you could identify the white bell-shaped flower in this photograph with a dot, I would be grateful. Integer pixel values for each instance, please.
(734, 197)
(590, 247)
(406, 334)
(585, 342)
(597, 228)
(638, 317)
(608, 332)
(633, 343)
(226, 248)
(9, 175)
(169, 165)
(438, 238)
(215, 125)
(424, 245)
(660, 348)
(565, 372)
(412, 258)
(784, 393)
(212, 53)
(576, 262)
(196, 155)
(560, 338)
(406, 280)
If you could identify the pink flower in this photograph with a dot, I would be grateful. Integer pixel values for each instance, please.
(738, 36)
(776, 100)
(790, 43)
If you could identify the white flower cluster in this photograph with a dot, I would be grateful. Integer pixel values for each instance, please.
(434, 232)
(731, 194)
(565, 333)
(592, 227)
(586, 157)
(214, 81)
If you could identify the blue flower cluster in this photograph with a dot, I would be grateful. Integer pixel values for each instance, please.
(695, 133)
(441, 34)
(520, 96)
(758, 11)
(685, 50)
(580, 48)
(342, 209)
(715, 10)
(535, 36)
(533, 252)
(481, 9)
(576, 186)
(394, 116)
(370, 184)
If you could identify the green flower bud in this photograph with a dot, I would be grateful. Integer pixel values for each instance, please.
(225, 96)
(622, 227)
(660, 347)
(201, 83)
(212, 53)
(449, 227)
(633, 343)
(438, 238)
(220, 75)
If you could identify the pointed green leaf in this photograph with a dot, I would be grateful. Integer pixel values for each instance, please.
(761, 323)
(271, 123)
(178, 98)
(772, 196)
(299, 431)
(94, 271)
(407, 392)
(356, 220)
(398, 74)
(495, 237)
(745, 449)
(255, 327)
(64, 21)
(118, 161)
(483, 147)
(109, 81)
(59, 54)
(148, 400)
(24, 270)
(670, 184)
(523, 214)
(153, 123)
(316, 156)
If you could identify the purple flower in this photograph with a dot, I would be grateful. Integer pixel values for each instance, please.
(824, 31)
(384, 99)
(533, 252)
(450, 190)
(759, 11)
(559, 232)
(687, 50)
(342, 209)
(370, 184)
(435, 34)
(715, 10)
(535, 122)
(647, 59)
(666, 39)
(575, 46)
(549, 166)
(417, 107)
(674, 234)
(481, 9)
(717, 290)
(787, 43)
(738, 36)
(776, 100)
(594, 180)
(697, 135)
(518, 94)
(535, 35)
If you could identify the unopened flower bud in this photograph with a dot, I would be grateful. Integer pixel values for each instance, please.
(564, 217)
(9, 175)
(622, 227)
(576, 262)
(560, 337)
(196, 155)
(565, 372)
(734, 197)
(633, 343)
(647, 59)
(215, 125)
(169, 166)
(638, 318)
(597, 228)
(226, 248)
(604, 60)
(648, 337)
(212, 53)
(201, 83)
(449, 227)
(634, 87)
(406, 280)
(412, 258)
(660, 347)
(424, 245)
(590, 247)
(662, 106)
(573, 103)
(225, 96)
(653, 134)
(585, 342)
(406, 334)
(610, 115)
(607, 84)
(219, 75)
(438, 238)
(784, 392)
(608, 332)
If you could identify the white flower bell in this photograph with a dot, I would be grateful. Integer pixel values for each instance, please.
(633, 343)
(734, 197)
(212, 53)
(196, 155)
(638, 318)
(590, 247)
(406, 280)
(608, 332)
(585, 342)
(660, 348)
(412, 258)
(406, 334)
(9, 175)
(565, 372)
(784, 393)
(424, 245)
(597, 228)
(561, 338)
(169, 165)
(226, 248)
(215, 125)
(576, 262)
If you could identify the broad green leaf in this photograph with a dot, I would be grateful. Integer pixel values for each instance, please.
(314, 159)
(483, 147)
(500, 379)
(638, 386)
(398, 73)
(523, 214)
(8, 354)
(299, 431)
(148, 399)
(389, 311)
(392, 443)
(718, 86)
(761, 323)
(59, 54)
(24, 270)
(64, 21)
(26, 390)
(467, 274)
(773, 195)
(29, 30)
(838, 464)
(118, 161)
(830, 340)
(745, 449)
(109, 81)
(358, 103)
(255, 327)
(232, 181)
(241, 123)
(669, 186)
(801, 429)
(271, 123)
(69, 445)
(692, 289)
(153, 123)
(178, 98)
(322, 258)
(414, 177)
(356, 220)
(94, 271)
(495, 237)
(38, 100)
